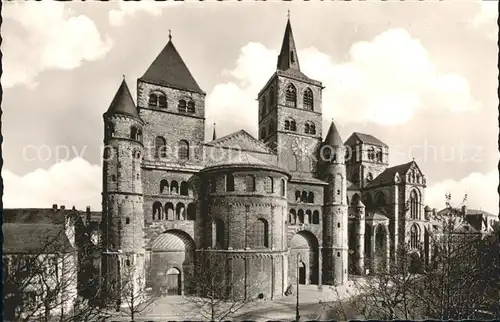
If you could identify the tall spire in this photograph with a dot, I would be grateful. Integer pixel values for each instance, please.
(288, 55)
(214, 136)
(333, 137)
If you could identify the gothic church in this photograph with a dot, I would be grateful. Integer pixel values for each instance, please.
(284, 206)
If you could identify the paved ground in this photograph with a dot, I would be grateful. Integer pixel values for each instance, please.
(177, 308)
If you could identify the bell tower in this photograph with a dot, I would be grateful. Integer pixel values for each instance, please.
(290, 112)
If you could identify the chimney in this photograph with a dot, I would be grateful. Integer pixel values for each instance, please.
(88, 215)
(464, 210)
(63, 207)
(73, 208)
(54, 206)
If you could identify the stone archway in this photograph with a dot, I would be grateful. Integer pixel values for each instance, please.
(304, 252)
(172, 251)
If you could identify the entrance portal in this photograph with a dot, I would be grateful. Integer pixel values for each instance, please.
(302, 273)
(173, 282)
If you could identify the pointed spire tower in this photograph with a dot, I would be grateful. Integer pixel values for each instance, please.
(122, 189)
(290, 103)
(335, 213)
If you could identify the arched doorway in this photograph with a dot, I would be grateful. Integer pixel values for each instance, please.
(302, 273)
(415, 263)
(172, 261)
(173, 281)
(304, 258)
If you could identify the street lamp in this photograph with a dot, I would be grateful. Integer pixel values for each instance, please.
(297, 316)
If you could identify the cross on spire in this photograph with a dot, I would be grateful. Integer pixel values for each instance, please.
(169, 34)
(288, 14)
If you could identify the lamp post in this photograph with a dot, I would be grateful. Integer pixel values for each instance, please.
(297, 316)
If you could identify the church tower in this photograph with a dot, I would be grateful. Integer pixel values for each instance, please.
(122, 198)
(290, 112)
(335, 217)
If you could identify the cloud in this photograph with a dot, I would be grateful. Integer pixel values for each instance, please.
(130, 8)
(481, 190)
(486, 19)
(385, 81)
(71, 183)
(46, 35)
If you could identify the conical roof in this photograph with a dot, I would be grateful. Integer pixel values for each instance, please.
(288, 58)
(333, 137)
(123, 103)
(168, 69)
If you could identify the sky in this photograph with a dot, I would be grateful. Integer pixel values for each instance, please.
(420, 76)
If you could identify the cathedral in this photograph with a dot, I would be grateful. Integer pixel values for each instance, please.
(287, 206)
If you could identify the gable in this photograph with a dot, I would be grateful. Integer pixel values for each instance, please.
(241, 140)
(357, 138)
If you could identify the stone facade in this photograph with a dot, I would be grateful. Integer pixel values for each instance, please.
(273, 209)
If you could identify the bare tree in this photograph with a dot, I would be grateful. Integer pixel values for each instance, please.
(210, 291)
(41, 284)
(134, 295)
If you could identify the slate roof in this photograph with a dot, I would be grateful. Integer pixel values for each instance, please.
(333, 137)
(239, 159)
(387, 175)
(364, 138)
(123, 103)
(35, 238)
(36, 215)
(288, 58)
(168, 69)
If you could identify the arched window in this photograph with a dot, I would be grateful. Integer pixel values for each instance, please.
(414, 208)
(414, 236)
(269, 187)
(306, 128)
(183, 153)
(153, 100)
(310, 197)
(316, 217)
(250, 183)
(308, 99)
(174, 187)
(182, 106)
(163, 186)
(190, 107)
(308, 218)
(293, 126)
(160, 147)
(287, 125)
(133, 133)
(283, 187)
(297, 196)
(191, 212)
(291, 96)
(169, 211)
(180, 211)
(229, 182)
(300, 216)
(261, 233)
(218, 240)
(379, 155)
(184, 191)
(157, 211)
(212, 185)
(303, 197)
(292, 217)
(139, 135)
(162, 101)
(312, 128)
